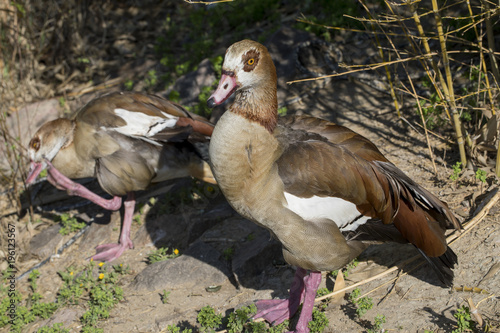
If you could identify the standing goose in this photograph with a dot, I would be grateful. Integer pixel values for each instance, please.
(127, 140)
(322, 190)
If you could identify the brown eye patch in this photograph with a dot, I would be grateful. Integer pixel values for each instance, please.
(250, 60)
(35, 143)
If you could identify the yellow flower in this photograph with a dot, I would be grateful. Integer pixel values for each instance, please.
(176, 252)
(121, 265)
(70, 273)
(101, 276)
(91, 259)
(100, 264)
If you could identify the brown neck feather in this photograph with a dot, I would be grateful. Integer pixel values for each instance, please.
(259, 105)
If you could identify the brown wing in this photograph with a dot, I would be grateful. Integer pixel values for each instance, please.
(342, 175)
(353, 169)
(336, 134)
(99, 112)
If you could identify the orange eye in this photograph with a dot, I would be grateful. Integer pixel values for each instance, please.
(35, 144)
(251, 61)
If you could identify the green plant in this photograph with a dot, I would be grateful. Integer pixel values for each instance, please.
(137, 219)
(161, 254)
(101, 293)
(322, 292)
(174, 96)
(39, 309)
(228, 253)
(318, 322)
(283, 327)
(481, 175)
(464, 320)
(282, 111)
(192, 196)
(25, 314)
(151, 79)
(347, 268)
(237, 320)
(377, 325)
(129, 84)
(164, 296)
(73, 288)
(362, 304)
(34, 275)
(176, 329)
(183, 68)
(457, 168)
(56, 328)
(118, 268)
(217, 65)
(43, 173)
(208, 320)
(332, 13)
(69, 224)
(432, 107)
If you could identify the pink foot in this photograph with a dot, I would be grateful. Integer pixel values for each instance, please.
(276, 311)
(111, 251)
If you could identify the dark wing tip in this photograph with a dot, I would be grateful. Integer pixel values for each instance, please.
(443, 265)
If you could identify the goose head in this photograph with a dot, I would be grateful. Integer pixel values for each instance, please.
(46, 143)
(248, 72)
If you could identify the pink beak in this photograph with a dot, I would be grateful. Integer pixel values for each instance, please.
(227, 86)
(35, 169)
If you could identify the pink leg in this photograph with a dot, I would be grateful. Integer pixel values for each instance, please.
(275, 311)
(311, 286)
(62, 182)
(109, 252)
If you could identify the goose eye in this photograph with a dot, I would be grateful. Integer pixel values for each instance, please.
(251, 61)
(35, 144)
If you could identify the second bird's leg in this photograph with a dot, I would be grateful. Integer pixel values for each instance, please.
(60, 181)
(275, 311)
(111, 251)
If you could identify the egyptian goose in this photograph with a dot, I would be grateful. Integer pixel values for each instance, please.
(127, 140)
(322, 190)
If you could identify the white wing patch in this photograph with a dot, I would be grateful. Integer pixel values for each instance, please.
(141, 125)
(342, 212)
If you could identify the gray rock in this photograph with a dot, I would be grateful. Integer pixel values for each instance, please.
(256, 256)
(46, 242)
(181, 229)
(254, 250)
(100, 232)
(176, 230)
(24, 123)
(189, 86)
(201, 264)
(65, 316)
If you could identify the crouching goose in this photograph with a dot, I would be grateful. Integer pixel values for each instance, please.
(322, 190)
(127, 140)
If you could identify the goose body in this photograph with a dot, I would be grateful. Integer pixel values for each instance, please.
(324, 191)
(127, 141)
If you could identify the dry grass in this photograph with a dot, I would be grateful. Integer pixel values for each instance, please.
(450, 44)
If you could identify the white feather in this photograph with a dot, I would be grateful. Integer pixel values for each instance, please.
(342, 212)
(140, 124)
